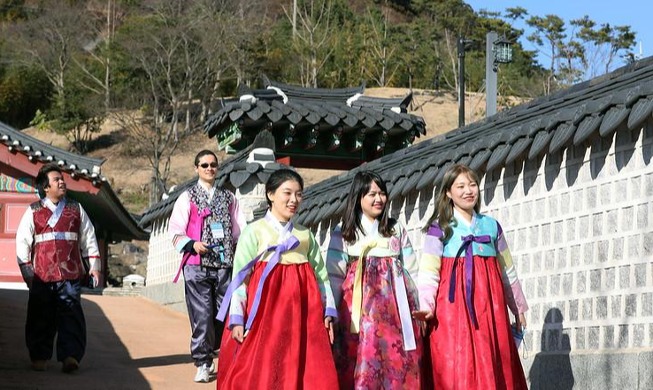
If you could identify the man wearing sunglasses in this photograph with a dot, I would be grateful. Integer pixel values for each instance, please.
(205, 225)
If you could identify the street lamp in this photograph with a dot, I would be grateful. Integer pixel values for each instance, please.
(497, 51)
(502, 51)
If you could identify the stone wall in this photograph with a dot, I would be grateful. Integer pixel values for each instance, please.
(580, 227)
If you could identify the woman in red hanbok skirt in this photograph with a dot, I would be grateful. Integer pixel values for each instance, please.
(282, 306)
(467, 280)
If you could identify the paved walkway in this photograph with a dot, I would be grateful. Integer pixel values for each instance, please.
(133, 343)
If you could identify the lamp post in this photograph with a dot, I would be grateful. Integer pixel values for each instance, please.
(497, 51)
(462, 45)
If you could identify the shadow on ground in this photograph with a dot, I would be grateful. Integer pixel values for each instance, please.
(107, 364)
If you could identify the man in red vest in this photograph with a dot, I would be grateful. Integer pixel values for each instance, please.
(53, 237)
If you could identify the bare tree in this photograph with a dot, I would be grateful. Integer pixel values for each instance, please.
(312, 40)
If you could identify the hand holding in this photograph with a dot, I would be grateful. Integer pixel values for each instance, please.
(328, 323)
(238, 333)
(200, 247)
(422, 315)
(521, 322)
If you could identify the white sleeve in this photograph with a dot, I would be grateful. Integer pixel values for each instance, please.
(25, 237)
(87, 241)
(179, 222)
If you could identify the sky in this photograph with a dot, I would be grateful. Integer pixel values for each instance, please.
(636, 14)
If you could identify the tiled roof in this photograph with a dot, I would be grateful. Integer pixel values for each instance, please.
(346, 109)
(104, 207)
(619, 101)
(37, 150)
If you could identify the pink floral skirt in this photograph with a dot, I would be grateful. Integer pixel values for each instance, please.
(375, 357)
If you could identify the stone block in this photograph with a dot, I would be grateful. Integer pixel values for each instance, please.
(635, 187)
(595, 280)
(601, 307)
(580, 338)
(593, 335)
(647, 305)
(642, 216)
(590, 198)
(587, 309)
(564, 203)
(573, 310)
(617, 248)
(612, 221)
(558, 232)
(545, 233)
(633, 245)
(554, 209)
(583, 225)
(580, 282)
(608, 337)
(627, 219)
(534, 236)
(647, 242)
(609, 278)
(549, 259)
(606, 193)
(615, 304)
(631, 305)
(554, 285)
(623, 336)
(603, 250)
(640, 275)
(541, 287)
(624, 277)
(588, 253)
(638, 335)
(645, 369)
(561, 258)
(567, 284)
(597, 224)
(575, 255)
(570, 233)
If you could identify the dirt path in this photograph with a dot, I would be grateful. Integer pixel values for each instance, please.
(133, 343)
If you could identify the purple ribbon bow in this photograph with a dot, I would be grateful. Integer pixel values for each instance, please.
(469, 273)
(289, 243)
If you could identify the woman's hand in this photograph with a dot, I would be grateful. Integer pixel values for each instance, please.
(422, 315)
(238, 333)
(520, 322)
(328, 324)
(200, 247)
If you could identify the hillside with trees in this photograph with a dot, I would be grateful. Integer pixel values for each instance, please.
(158, 68)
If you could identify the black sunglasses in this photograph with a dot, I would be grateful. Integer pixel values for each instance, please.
(206, 165)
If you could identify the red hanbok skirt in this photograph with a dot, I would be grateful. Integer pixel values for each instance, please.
(287, 346)
(465, 357)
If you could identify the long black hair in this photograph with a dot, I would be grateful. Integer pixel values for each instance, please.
(359, 188)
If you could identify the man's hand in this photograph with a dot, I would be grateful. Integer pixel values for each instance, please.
(27, 271)
(200, 247)
(95, 274)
